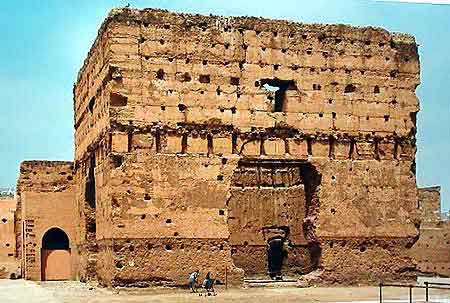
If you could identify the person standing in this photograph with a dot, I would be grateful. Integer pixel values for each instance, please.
(192, 281)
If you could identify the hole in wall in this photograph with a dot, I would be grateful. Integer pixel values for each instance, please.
(91, 227)
(309, 146)
(186, 77)
(89, 192)
(204, 79)
(169, 221)
(181, 107)
(118, 99)
(158, 140)
(168, 247)
(210, 142)
(117, 160)
(234, 138)
(160, 74)
(376, 89)
(91, 105)
(279, 87)
(184, 143)
(234, 81)
(130, 140)
(221, 212)
(119, 264)
(349, 88)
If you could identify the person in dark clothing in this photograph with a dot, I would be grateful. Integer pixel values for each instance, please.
(208, 284)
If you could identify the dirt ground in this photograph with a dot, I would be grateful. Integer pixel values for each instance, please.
(15, 291)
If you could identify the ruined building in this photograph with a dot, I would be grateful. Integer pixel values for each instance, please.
(202, 140)
(432, 250)
(9, 266)
(241, 146)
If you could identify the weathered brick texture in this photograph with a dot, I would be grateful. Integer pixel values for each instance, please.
(199, 139)
(45, 190)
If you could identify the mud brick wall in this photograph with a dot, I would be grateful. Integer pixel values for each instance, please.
(190, 129)
(431, 251)
(430, 204)
(9, 265)
(46, 192)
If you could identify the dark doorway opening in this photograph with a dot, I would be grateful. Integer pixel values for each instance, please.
(275, 257)
(55, 238)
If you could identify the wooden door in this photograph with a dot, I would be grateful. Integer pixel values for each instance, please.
(56, 264)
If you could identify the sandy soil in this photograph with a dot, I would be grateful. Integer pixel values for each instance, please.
(15, 291)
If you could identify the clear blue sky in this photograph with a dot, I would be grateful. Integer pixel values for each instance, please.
(44, 43)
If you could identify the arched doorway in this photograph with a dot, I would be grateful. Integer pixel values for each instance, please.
(55, 255)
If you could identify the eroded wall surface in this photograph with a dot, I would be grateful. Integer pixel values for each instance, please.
(432, 250)
(200, 138)
(47, 200)
(9, 266)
